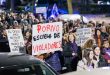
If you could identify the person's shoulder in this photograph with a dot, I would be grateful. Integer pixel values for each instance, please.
(80, 62)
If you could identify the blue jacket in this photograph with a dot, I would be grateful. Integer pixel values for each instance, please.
(54, 61)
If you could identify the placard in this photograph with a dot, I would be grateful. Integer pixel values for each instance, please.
(82, 35)
(16, 41)
(46, 38)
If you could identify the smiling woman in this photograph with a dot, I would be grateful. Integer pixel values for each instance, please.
(87, 62)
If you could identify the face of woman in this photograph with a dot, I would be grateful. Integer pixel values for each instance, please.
(98, 32)
(97, 51)
(103, 29)
(106, 44)
(27, 34)
(91, 55)
(64, 37)
(71, 38)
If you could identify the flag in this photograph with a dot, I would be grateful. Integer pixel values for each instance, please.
(54, 12)
(27, 8)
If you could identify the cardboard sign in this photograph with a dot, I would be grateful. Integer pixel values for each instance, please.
(46, 38)
(82, 35)
(16, 41)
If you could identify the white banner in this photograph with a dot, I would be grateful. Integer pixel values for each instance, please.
(41, 10)
(82, 35)
(46, 38)
(16, 41)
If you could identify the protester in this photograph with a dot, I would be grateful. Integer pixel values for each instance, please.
(54, 61)
(88, 45)
(98, 37)
(28, 43)
(104, 32)
(87, 63)
(98, 57)
(106, 51)
(70, 53)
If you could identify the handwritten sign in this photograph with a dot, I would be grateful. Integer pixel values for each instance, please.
(83, 34)
(46, 38)
(16, 41)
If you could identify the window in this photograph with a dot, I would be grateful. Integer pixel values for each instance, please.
(46, 70)
(28, 70)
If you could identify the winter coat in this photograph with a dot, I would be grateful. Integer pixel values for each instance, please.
(105, 35)
(106, 52)
(102, 62)
(53, 61)
(82, 65)
(68, 49)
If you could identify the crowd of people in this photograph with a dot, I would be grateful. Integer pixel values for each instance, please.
(93, 54)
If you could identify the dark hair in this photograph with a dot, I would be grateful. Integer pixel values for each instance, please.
(94, 46)
(87, 52)
(104, 41)
(99, 25)
(86, 55)
(70, 24)
(97, 29)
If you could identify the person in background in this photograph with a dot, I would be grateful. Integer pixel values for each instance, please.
(106, 51)
(27, 34)
(98, 57)
(41, 18)
(29, 27)
(88, 45)
(15, 25)
(41, 56)
(28, 41)
(65, 28)
(103, 23)
(30, 19)
(98, 24)
(10, 27)
(98, 37)
(70, 53)
(77, 23)
(64, 43)
(104, 32)
(87, 63)
(108, 29)
(54, 61)
(70, 26)
(4, 43)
